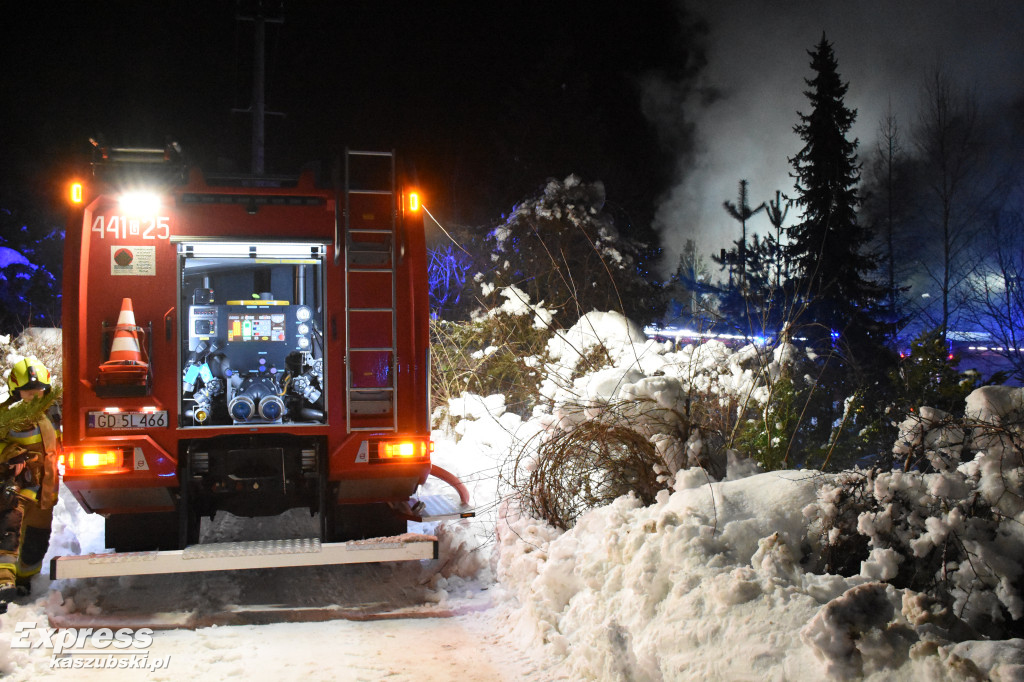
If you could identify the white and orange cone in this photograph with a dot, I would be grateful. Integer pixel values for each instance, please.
(125, 364)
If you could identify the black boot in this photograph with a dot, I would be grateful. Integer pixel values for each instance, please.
(23, 585)
(7, 594)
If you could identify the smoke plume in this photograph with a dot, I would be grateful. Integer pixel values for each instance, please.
(744, 107)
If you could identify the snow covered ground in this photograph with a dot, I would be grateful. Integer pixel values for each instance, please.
(399, 621)
(708, 583)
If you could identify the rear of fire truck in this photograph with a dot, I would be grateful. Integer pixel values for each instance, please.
(247, 345)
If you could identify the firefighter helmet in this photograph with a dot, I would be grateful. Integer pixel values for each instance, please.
(27, 374)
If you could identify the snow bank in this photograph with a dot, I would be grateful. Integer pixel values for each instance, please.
(659, 592)
(634, 593)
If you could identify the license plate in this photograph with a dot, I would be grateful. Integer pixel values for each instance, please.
(127, 420)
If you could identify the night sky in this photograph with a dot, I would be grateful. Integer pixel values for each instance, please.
(483, 100)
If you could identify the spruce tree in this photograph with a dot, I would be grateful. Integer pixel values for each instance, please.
(828, 248)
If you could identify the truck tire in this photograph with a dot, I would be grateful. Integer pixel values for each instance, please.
(361, 521)
(142, 532)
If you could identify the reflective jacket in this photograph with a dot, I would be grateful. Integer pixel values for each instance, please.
(41, 447)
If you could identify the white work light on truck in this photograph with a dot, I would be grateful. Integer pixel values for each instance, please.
(140, 203)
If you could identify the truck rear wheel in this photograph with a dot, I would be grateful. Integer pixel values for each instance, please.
(360, 521)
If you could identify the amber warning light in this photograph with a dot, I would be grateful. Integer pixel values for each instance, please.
(96, 461)
(404, 449)
(76, 192)
(414, 201)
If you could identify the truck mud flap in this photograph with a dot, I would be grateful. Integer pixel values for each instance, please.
(233, 556)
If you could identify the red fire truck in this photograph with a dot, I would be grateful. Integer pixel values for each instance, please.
(247, 345)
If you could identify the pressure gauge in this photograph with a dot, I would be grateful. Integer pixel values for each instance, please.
(303, 313)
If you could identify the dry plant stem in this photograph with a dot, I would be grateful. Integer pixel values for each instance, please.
(835, 439)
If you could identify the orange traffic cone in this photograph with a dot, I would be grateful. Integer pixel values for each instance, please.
(125, 365)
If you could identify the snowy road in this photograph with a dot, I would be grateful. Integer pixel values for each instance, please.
(435, 649)
(399, 621)
(465, 647)
(404, 649)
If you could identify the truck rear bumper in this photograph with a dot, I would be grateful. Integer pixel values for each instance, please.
(229, 556)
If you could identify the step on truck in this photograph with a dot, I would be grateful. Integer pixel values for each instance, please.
(247, 345)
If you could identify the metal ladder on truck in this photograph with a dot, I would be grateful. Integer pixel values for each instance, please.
(371, 335)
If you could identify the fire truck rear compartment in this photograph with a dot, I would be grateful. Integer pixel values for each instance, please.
(252, 344)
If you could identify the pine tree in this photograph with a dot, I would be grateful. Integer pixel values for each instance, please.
(828, 248)
(777, 212)
(689, 289)
(741, 212)
(755, 300)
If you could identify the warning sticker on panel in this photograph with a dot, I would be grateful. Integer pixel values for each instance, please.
(133, 260)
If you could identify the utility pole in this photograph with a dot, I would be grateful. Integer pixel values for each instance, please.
(261, 12)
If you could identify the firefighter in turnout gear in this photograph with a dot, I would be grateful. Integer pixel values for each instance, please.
(28, 492)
